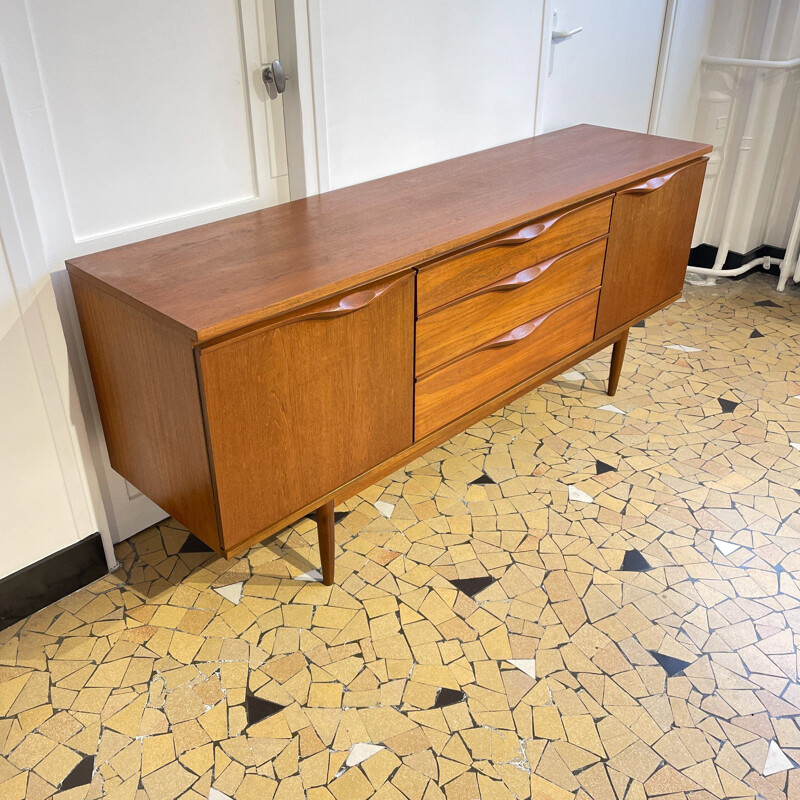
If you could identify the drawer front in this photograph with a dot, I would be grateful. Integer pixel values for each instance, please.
(486, 262)
(298, 410)
(452, 331)
(446, 394)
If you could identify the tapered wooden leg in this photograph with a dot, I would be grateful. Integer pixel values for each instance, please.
(617, 357)
(325, 531)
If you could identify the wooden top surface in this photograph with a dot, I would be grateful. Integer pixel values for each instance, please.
(215, 278)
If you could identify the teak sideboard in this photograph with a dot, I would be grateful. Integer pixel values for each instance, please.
(252, 370)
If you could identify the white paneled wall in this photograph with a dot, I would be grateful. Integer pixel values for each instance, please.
(118, 121)
(139, 96)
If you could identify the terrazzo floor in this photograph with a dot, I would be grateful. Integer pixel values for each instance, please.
(576, 598)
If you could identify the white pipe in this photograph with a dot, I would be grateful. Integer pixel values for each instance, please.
(758, 63)
(761, 261)
(746, 143)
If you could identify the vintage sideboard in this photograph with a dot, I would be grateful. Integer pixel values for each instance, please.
(252, 370)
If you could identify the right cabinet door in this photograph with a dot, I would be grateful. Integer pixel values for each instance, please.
(648, 244)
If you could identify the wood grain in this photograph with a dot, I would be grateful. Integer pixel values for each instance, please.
(147, 394)
(295, 411)
(455, 329)
(219, 277)
(478, 266)
(648, 244)
(447, 393)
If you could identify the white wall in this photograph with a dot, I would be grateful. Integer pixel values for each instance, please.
(48, 500)
(35, 518)
(437, 81)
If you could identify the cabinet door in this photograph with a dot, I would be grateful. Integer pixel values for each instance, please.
(648, 244)
(298, 409)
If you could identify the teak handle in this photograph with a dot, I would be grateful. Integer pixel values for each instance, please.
(524, 235)
(516, 335)
(653, 183)
(527, 233)
(348, 303)
(518, 279)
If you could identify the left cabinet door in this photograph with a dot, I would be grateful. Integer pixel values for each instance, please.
(298, 408)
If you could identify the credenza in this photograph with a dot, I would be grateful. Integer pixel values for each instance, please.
(252, 370)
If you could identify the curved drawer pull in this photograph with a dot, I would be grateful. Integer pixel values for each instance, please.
(347, 304)
(524, 235)
(521, 278)
(652, 184)
(516, 335)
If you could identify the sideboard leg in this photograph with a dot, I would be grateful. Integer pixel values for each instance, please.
(327, 540)
(617, 357)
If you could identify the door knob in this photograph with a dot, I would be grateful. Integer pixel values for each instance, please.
(274, 77)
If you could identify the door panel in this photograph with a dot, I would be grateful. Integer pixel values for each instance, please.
(180, 140)
(604, 75)
(648, 244)
(298, 410)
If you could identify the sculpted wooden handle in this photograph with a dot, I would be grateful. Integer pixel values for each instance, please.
(348, 303)
(521, 278)
(652, 184)
(516, 335)
(527, 233)
(524, 235)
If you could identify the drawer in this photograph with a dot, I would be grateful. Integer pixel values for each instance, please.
(502, 363)
(455, 329)
(485, 262)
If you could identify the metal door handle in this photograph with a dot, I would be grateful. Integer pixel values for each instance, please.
(561, 35)
(557, 36)
(273, 75)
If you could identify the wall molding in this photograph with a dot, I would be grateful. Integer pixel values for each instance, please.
(38, 585)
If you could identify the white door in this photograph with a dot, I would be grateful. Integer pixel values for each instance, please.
(403, 83)
(136, 119)
(605, 72)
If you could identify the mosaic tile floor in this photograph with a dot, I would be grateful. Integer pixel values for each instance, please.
(575, 598)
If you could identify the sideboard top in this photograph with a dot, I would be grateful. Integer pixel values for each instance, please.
(216, 278)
